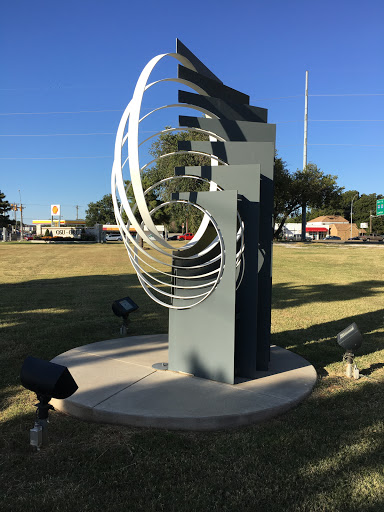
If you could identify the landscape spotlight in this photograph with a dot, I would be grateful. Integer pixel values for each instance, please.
(350, 339)
(48, 380)
(122, 308)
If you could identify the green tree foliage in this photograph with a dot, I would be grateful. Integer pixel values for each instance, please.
(161, 216)
(363, 206)
(310, 187)
(341, 205)
(4, 208)
(100, 212)
(163, 168)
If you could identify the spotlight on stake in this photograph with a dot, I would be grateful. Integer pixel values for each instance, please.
(48, 380)
(350, 339)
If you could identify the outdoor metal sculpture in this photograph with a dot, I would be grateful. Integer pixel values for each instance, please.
(218, 286)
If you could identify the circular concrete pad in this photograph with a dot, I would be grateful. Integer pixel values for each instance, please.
(118, 385)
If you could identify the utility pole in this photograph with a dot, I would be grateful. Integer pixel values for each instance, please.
(352, 211)
(370, 221)
(304, 206)
(21, 218)
(21, 221)
(305, 122)
(14, 208)
(77, 211)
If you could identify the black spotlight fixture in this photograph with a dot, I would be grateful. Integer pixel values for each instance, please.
(48, 380)
(122, 308)
(350, 339)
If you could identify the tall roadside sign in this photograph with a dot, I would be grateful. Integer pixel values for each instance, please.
(380, 207)
(55, 211)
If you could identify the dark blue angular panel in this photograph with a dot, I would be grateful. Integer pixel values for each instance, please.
(225, 109)
(211, 87)
(200, 67)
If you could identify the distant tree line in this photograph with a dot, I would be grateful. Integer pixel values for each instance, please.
(364, 205)
(318, 192)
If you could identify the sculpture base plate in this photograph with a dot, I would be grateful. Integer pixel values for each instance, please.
(119, 385)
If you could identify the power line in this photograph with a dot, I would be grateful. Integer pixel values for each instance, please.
(153, 131)
(151, 108)
(279, 97)
(345, 120)
(54, 134)
(63, 134)
(352, 94)
(58, 112)
(326, 144)
(353, 145)
(52, 157)
(66, 112)
(111, 156)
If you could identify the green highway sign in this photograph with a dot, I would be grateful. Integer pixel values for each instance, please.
(380, 207)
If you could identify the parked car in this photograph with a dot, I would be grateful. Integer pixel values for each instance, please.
(28, 237)
(332, 237)
(186, 236)
(355, 238)
(114, 237)
(372, 236)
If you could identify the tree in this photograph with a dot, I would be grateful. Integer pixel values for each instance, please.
(309, 187)
(363, 206)
(164, 168)
(341, 205)
(4, 207)
(100, 212)
(362, 209)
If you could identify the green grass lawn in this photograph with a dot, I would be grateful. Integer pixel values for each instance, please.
(325, 455)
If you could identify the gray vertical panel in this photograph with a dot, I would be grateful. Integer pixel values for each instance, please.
(247, 180)
(202, 339)
(242, 131)
(237, 133)
(263, 154)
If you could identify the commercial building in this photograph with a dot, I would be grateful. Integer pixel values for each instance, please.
(320, 227)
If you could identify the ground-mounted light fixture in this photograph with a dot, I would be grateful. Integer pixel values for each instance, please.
(48, 380)
(350, 339)
(122, 308)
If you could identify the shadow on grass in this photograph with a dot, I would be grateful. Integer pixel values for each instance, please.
(326, 454)
(286, 295)
(318, 344)
(49, 316)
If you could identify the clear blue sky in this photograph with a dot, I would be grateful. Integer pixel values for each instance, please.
(87, 55)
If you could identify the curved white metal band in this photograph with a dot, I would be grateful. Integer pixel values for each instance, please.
(138, 256)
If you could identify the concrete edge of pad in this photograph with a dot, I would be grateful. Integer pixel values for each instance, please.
(128, 391)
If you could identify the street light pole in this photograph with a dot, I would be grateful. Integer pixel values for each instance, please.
(351, 211)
